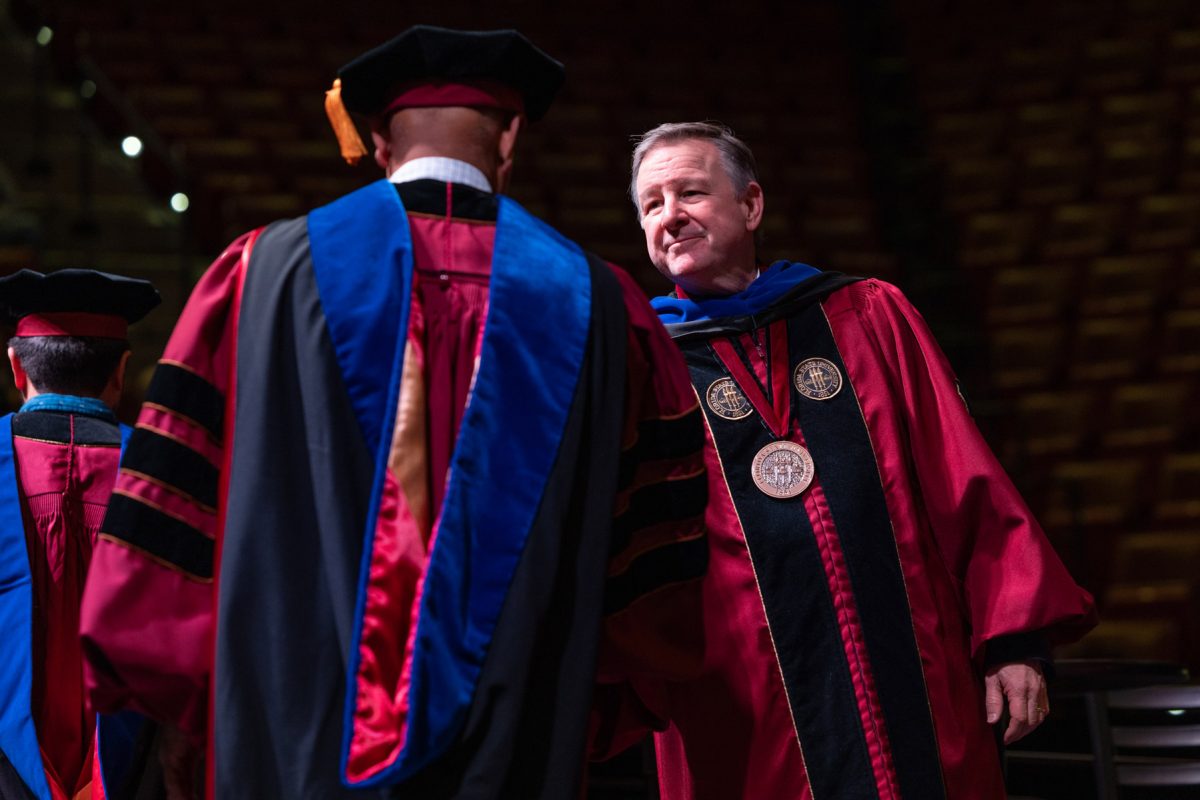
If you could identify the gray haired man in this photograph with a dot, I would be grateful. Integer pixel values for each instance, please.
(878, 594)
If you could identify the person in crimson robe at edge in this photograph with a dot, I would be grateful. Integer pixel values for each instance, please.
(58, 465)
(878, 595)
(414, 472)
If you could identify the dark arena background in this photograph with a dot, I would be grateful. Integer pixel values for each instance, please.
(1028, 172)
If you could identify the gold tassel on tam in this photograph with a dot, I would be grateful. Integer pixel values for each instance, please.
(351, 143)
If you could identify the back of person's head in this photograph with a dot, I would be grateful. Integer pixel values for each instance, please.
(81, 366)
(71, 326)
(477, 136)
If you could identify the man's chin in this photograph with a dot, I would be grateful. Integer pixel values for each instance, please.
(686, 273)
(685, 270)
(694, 282)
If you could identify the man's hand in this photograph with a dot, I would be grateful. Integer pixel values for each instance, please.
(1024, 686)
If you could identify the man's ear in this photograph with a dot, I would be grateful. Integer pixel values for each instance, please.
(383, 149)
(505, 149)
(752, 202)
(18, 370)
(118, 376)
(116, 383)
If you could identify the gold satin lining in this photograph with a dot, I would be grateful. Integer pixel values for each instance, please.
(408, 458)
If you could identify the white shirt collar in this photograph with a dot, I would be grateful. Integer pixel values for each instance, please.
(450, 170)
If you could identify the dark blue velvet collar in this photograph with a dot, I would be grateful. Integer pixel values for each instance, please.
(70, 404)
(773, 283)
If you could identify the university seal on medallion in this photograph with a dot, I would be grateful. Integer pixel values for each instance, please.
(817, 379)
(726, 399)
(782, 469)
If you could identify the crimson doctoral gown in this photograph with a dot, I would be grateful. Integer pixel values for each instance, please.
(847, 626)
(63, 467)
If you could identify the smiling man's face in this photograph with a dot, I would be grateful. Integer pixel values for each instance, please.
(699, 228)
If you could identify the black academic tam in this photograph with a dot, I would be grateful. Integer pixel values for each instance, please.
(75, 290)
(426, 52)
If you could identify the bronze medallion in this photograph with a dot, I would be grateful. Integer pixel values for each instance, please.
(782, 469)
(726, 399)
(817, 379)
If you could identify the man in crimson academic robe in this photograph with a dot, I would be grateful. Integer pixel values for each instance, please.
(413, 473)
(58, 465)
(878, 595)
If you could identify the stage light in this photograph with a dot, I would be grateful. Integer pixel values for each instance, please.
(179, 202)
(131, 146)
(44, 35)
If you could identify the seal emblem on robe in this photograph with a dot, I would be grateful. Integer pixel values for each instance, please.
(782, 469)
(817, 379)
(726, 399)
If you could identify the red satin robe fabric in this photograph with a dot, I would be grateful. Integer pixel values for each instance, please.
(975, 562)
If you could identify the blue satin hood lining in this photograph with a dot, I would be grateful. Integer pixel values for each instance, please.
(778, 279)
